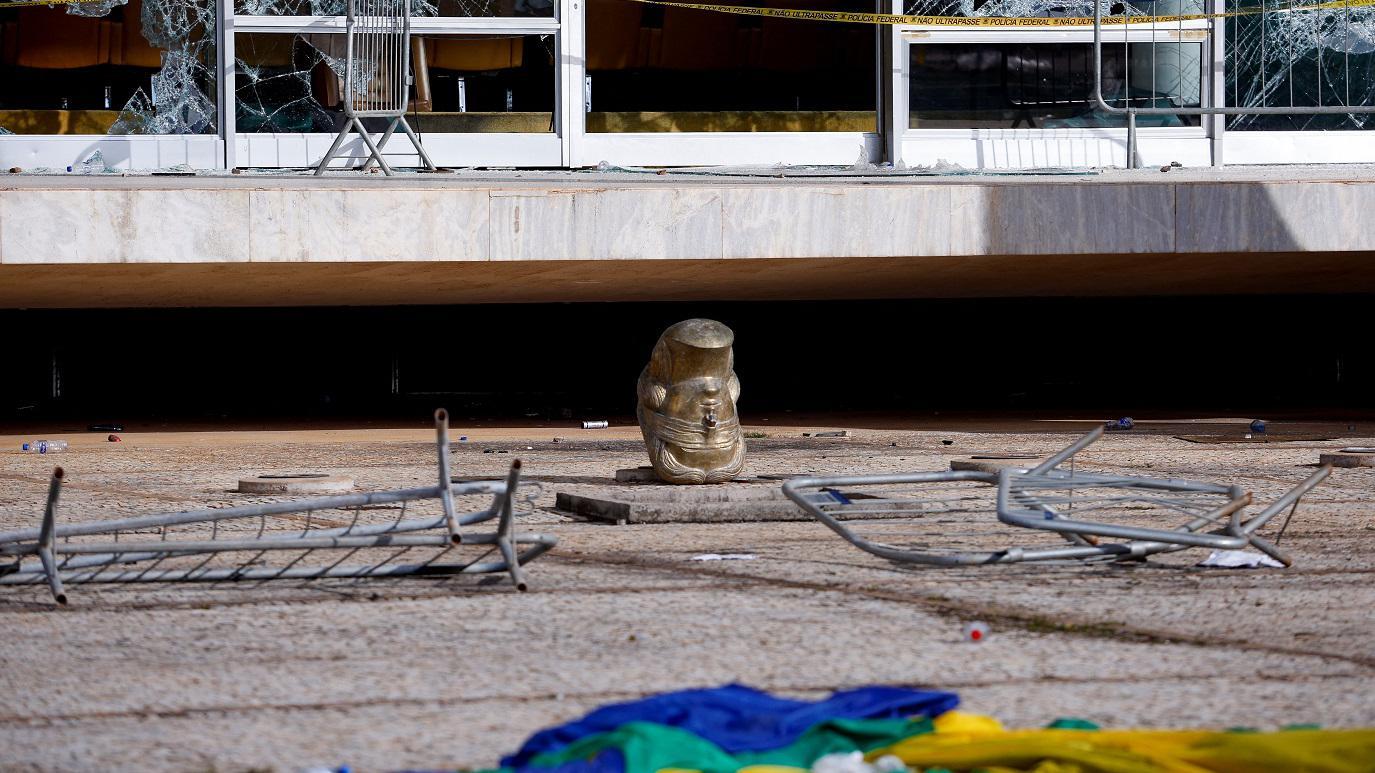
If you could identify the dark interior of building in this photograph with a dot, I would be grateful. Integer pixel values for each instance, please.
(917, 358)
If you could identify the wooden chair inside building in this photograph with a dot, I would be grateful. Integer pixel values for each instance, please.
(51, 41)
(462, 55)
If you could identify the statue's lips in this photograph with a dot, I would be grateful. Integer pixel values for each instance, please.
(694, 435)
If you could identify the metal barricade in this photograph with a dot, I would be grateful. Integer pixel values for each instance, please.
(1274, 42)
(377, 77)
(1079, 507)
(313, 538)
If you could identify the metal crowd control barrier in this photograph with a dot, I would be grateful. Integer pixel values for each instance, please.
(377, 77)
(1332, 23)
(1080, 507)
(314, 537)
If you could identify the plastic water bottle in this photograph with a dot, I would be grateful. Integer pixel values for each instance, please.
(44, 447)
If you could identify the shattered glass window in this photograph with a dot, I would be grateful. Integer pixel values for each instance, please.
(108, 67)
(294, 83)
(1049, 85)
(496, 8)
(1300, 58)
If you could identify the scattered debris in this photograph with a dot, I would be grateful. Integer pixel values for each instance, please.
(838, 433)
(44, 447)
(94, 164)
(975, 632)
(1122, 424)
(724, 557)
(1238, 559)
(177, 170)
(111, 427)
(947, 442)
(602, 424)
(114, 439)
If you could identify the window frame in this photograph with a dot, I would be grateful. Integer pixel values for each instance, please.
(280, 149)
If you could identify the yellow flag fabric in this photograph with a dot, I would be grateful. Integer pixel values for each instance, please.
(964, 742)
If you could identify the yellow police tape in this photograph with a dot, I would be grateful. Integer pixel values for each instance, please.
(999, 21)
(925, 21)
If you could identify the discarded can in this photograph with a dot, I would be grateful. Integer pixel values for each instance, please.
(596, 424)
(976, 632)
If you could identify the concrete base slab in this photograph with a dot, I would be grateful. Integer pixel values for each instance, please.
(1254, 438)
(685, 504)
(637, 475)
(990, 463)
(1349, 457)
(301, 483)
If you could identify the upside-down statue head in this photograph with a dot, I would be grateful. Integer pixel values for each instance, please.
(687, 397)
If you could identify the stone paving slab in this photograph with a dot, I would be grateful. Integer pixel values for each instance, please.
(420, 673)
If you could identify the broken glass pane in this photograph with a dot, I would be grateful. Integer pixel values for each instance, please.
(294, 83)
(109, 66)
(1300, 58)
(1275, 56)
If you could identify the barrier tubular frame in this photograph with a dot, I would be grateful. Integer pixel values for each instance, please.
(61, 561)
(1140, 542)
(381, 32)
(1131, 113)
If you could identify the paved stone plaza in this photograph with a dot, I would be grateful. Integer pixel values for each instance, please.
(454, 672)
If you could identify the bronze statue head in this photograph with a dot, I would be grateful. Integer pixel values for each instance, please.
(686, 408)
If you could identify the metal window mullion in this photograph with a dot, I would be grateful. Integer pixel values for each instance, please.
(570, 71)
(1215, 59)
(226, 63)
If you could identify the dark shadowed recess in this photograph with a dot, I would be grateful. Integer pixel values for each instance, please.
(1305, 356)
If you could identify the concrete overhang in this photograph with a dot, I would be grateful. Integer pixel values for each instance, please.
(250, 240)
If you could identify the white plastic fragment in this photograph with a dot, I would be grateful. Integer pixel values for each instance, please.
(724, 557)
(1238, 559)
(853, 762)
